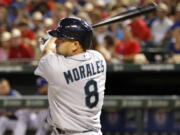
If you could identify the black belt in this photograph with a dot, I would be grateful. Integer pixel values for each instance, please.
(60, 131)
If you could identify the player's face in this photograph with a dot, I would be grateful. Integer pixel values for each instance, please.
(65, 46)
(4, 88)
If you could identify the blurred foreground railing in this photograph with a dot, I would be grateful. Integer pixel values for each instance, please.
(29, 67)
(120, 102)
(138, 103)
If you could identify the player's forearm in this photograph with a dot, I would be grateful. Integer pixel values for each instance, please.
(49, 46)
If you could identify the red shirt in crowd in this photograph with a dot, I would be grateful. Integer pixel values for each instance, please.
(127, 47)
(5, 2)
(20, 52)
(28, 34)
(140, 30)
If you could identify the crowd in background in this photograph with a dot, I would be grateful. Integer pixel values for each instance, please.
(153, 37)
(19, 121)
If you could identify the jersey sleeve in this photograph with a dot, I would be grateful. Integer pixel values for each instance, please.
(44, 66)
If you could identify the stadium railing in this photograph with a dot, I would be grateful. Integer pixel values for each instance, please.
(139, 103)
(125, 67)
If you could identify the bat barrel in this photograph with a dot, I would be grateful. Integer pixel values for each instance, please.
(126, 15)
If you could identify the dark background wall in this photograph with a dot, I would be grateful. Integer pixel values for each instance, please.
(117, 83)
(143, 83)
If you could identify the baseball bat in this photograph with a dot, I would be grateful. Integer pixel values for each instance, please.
(127, 15)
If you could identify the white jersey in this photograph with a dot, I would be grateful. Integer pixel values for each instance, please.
(76, 89)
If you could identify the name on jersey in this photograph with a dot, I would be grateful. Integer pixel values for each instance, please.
(84, 71)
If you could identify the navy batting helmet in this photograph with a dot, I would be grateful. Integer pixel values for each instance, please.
(75, 29)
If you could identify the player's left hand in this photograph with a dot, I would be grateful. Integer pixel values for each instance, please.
(42, 40)
(45, 39)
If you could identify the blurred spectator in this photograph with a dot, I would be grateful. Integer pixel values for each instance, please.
(3, 28)
(101, 49)
(48, 24)
(150, 18)
(88, 7)
(128, 47)
(18, 50)
(42, 86)
(84, 16)
(4, 19)
(116, 30)
(35, 119)
(100, 5)
(59, 15)
(5, 2)
(43, 128)
(37, 20)
(70, 6)
(5, 88)
(43, 6)
(34, 18)
(109, 42)
(177, 18)
(137, 25)
(100, 32)
(22, 17)
(175, 47)
(140, 59)
(4, 46)
(27, 35)
(95, 16)
(161, 25)
(8, 117)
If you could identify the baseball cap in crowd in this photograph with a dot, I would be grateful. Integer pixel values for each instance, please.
(16, 33)
(149, 1)
(125, 2)
(69, 5)
(48, 22)
(5, 36)
(37, 16)
(162, 7)
(89, 7)
(100, 3)
(40, 82)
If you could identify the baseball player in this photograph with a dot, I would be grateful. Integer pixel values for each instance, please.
(76, 79)
(8, 117)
